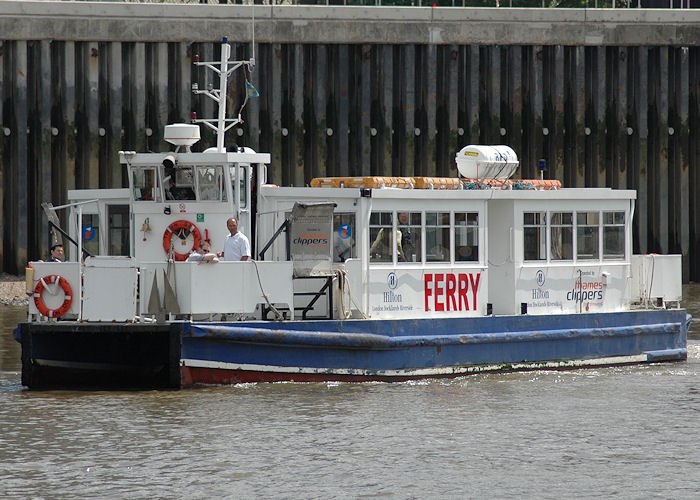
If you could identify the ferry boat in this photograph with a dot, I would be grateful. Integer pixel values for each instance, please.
(350, 279)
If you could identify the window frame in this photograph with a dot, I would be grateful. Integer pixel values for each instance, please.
(474, 231)
(576, 227)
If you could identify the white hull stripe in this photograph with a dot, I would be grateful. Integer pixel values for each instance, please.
(446, 370)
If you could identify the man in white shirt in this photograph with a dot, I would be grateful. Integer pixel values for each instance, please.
(236, 246)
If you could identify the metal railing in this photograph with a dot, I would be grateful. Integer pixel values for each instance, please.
(571, 4)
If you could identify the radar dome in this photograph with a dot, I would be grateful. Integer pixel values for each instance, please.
(181, 134)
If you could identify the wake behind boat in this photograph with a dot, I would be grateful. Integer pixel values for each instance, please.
(352, 279)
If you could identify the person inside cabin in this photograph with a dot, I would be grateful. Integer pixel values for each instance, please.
(178, 183)
(202, 253)
(381, 249)
(236, 246)
(406, 242)
(56, 253)
(169, 182)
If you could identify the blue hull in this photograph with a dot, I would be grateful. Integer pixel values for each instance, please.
(409, 349)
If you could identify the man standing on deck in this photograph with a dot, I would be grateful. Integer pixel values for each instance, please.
(236, 246)
(56, 253)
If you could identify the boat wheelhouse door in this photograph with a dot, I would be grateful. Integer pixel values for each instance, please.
(102, 220)
(240, 177)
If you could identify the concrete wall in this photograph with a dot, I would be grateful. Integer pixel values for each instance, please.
(133, 22)
(607, 97)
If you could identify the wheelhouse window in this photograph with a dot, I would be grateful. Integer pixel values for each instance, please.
(437, 236)
(587, 235)
(535, 235)
(562, 235)
(408, 245)
(210, 183)
(344, 237)
(178, 183)
(613, 235)
(145, 186)
(466, 236)
(381, 229)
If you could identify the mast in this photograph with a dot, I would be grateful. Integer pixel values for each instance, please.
(221, 124)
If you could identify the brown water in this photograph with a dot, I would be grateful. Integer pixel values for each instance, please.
(624, 432)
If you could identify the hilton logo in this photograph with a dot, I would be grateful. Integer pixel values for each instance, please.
(392, 281)
(540, 278)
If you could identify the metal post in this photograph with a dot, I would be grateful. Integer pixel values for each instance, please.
(80, 262)
(225, 53)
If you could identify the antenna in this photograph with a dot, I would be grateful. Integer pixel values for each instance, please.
(221, 124)
(252, 51)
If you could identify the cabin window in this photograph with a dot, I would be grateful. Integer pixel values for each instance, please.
(344, 237)
(587, 235)
(210, 183)
(535, 235)
(466, 236)
(242, 183)
(381, 227)
(437, 236)
(408, 246)
(178, 183)
(144, 182)
(118, 223)
(613, 235)
(562, 235)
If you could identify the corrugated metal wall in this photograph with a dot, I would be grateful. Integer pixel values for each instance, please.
(619, 116)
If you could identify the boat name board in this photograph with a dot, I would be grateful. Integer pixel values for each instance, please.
(427, 293)
(452, 296)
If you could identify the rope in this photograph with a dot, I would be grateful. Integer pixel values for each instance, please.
(651, 283)
(278, 315)
(342, 284)
(342, 280)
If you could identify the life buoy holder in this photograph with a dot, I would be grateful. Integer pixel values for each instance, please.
(182, 228)
(67, 292)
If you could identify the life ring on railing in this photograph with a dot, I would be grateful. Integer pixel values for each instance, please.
(183, 228)
(67, 292)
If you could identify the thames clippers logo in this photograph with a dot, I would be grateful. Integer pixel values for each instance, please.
(88, 233)
(344, 231)
(312, 240)
(586, 291)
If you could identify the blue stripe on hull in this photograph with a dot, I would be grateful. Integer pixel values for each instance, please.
(414, 345)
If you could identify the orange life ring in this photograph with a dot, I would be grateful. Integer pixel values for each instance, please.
(181, 227)
(67, 292)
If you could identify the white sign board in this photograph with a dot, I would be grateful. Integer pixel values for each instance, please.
(428, 292)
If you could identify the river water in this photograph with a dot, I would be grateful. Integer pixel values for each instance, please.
(622, 432)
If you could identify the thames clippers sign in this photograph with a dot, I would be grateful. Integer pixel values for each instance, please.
(312, 225)
(572, 289)
(428, 294)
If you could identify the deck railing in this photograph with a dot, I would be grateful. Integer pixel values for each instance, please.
(571, 4)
